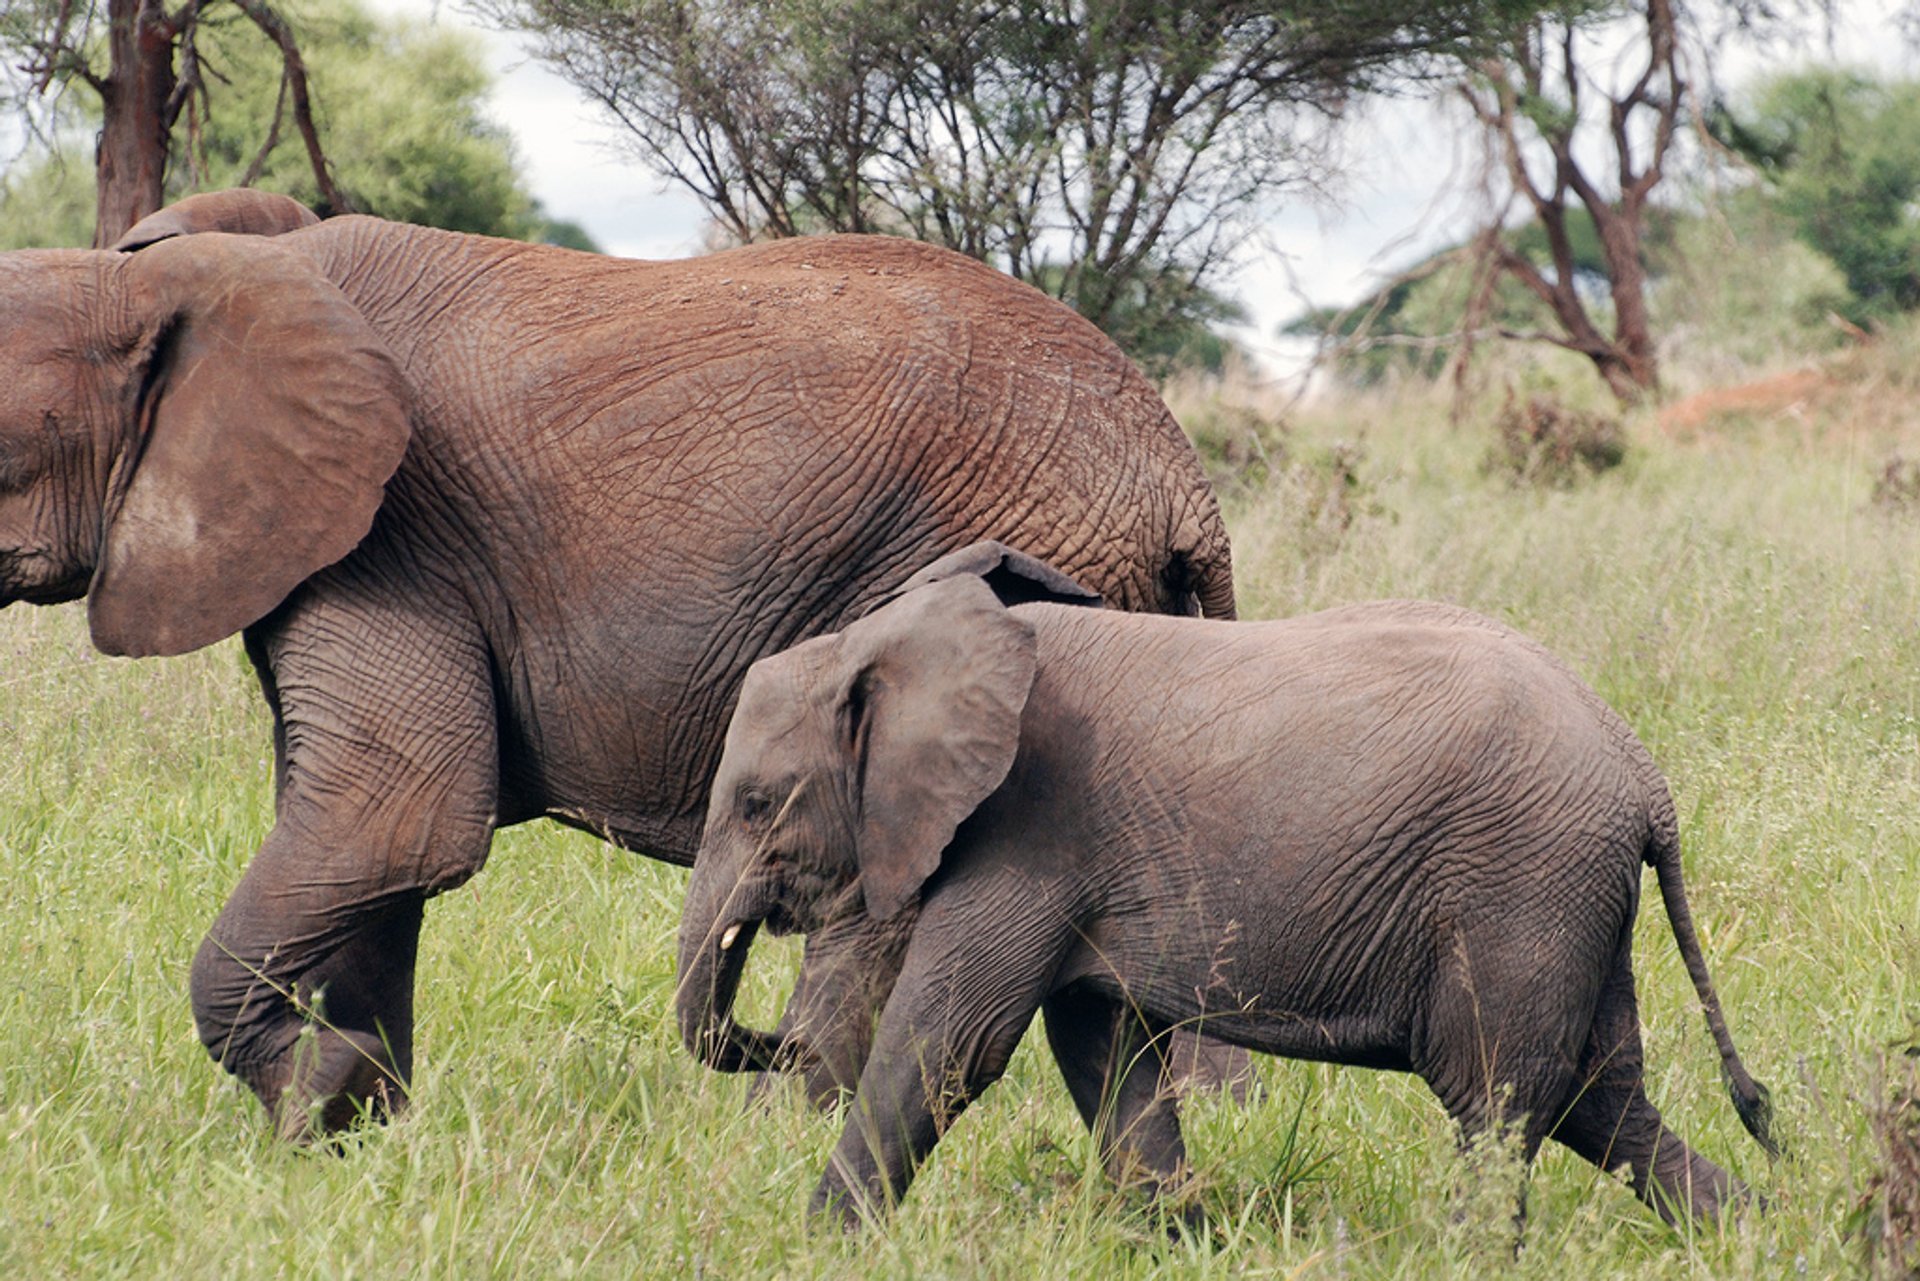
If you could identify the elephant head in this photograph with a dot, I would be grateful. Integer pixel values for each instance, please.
(849, 764)
(186, 434)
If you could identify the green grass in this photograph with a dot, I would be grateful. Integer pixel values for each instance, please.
(1738, 600)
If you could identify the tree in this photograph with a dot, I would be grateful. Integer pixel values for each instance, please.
(1550, 120)
(1115, 153)
(1840, 155)
(404, 115)
(142, 64)
(1412, 324)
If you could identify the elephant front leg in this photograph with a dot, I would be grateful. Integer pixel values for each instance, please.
(303, 988)
(966, 993)
(846, 976)
(322, 1032)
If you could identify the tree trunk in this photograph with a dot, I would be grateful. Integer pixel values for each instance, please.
(131, 162)
(1633, 372)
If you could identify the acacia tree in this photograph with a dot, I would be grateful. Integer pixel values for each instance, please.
(1839, 152)
(142, 61)
(1559, 135)
(1115, 153)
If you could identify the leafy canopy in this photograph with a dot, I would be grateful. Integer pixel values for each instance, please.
(1114, 153)
(1840, 150)
(401, 105)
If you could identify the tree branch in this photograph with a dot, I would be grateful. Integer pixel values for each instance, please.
(277, 30)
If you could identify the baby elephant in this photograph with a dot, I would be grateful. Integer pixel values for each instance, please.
(1394, 835)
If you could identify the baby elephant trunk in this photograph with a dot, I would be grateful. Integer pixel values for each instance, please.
(713, 954)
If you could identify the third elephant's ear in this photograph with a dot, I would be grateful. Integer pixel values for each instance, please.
(935, 685)
(1015, 577)
(241, 210)
(268, 421)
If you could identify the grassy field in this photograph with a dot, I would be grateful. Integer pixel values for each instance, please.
(1735, 594)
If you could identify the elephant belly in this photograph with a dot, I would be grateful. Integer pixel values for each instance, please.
(1295, 1014)
(610, 753)
(1365, 1039)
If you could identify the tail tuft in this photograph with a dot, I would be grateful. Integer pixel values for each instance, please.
(1756, 1113)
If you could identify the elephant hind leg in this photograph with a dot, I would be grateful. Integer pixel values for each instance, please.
(1611, 1123)
(1500, 1040)
(1117, 1069)
(1614, 1128)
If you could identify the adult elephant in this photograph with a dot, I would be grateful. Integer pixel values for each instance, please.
(503, 526)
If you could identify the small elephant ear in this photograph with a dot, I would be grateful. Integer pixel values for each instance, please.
(1015, 577)
(241, 211)
(933, 692)
(271, 418)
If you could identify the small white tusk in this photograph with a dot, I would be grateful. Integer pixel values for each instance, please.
(733, 932)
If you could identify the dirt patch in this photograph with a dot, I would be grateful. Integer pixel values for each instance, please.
(1792, 392)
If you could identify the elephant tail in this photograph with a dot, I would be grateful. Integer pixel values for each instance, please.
(1750, 1098)
(1198, 577)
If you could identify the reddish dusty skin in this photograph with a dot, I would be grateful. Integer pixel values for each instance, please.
(505, 524)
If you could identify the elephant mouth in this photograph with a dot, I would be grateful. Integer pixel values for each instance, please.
(33, 577)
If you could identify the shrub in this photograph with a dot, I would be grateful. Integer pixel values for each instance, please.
(1897, 488)
(1891, 1218)
(1543, 442)
(1240, 445)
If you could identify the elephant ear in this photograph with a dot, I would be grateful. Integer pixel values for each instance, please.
(241, 211)
(1013, 576)
(932, 693)
(270, 418)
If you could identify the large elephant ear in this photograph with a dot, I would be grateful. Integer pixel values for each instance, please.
(933, 689)
(271, 419)
(1015, 577)
(241, 211)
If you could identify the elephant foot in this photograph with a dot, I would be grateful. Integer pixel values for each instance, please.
(1201, 1065)
(327, 1081)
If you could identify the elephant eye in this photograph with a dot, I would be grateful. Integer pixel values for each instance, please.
(755, 808)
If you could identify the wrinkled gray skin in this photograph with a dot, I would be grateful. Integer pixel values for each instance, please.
(505, 524)
(1393, 835)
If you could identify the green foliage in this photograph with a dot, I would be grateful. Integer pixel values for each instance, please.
(401, 109)
(47, 204)
(1731, 288)
(1840, 150)
(1167, 321)
(1117, 155)
(1739, 290)
(1411, 327)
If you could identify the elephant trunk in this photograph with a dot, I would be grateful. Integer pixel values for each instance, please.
(713, 954)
